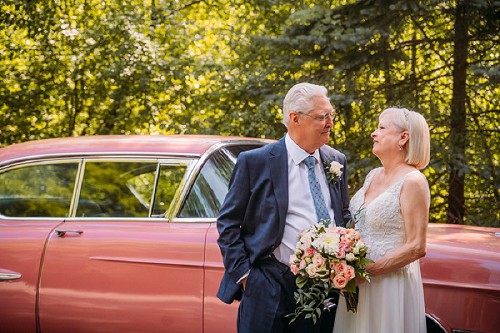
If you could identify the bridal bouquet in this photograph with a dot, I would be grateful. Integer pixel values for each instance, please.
(326, 259)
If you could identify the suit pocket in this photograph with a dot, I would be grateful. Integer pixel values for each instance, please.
(249, 285)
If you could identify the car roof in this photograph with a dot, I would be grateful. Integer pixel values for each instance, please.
(187, 145)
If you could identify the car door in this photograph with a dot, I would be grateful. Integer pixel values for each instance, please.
(118, 265)
(34, 199)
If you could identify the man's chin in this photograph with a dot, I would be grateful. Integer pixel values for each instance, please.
(325, 137)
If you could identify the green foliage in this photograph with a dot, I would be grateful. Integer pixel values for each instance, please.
(88, 67)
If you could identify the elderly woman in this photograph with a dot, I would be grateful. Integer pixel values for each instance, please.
(393, 207)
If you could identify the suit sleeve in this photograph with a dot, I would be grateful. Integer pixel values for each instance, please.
(345, 194)
(230, 220)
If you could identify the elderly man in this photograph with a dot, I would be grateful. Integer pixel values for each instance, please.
(275, 192)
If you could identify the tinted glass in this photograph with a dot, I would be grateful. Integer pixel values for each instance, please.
(116, 189)
(43, 190)
(168, 184)
(210, 188)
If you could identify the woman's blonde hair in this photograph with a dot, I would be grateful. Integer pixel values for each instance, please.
(418, 147)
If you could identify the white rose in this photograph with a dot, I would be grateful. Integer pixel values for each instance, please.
(350, 256)
(336, 168)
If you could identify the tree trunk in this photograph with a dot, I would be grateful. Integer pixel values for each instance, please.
(456, 198)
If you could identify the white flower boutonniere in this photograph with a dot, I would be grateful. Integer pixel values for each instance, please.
(333, 171)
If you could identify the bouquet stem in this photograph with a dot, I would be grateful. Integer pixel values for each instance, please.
(351, 300)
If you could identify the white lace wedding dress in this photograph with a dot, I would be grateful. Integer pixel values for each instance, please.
(393, 302)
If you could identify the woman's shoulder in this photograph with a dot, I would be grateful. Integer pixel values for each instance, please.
(415, 178)
(415, 184)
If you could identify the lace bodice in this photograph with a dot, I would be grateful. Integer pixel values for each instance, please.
(380, 222)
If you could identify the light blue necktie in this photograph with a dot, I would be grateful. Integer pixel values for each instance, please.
(317, 195)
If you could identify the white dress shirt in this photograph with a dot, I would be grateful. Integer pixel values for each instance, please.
(301, 213)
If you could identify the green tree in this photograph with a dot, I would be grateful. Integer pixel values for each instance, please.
(374, 54)
(87, 67)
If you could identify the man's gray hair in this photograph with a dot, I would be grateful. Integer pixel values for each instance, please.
(298, 99)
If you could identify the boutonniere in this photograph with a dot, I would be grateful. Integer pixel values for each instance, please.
(333, 171)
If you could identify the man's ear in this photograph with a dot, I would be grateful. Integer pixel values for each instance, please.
(294, 118)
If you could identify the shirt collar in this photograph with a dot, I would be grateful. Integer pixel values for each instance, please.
(296, 153)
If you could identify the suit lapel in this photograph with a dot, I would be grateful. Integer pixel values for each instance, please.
(279, 175)
(334, 190)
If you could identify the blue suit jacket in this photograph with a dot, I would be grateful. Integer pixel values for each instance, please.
(252, 218)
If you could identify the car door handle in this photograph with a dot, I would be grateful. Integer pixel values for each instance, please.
(9, 276)
(61, 232)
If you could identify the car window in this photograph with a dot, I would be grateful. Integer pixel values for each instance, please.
(125, 188)
(169, 182)
(43, 190)
(211, 186)
(116, 189)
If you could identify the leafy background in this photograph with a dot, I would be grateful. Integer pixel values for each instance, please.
(86, 67)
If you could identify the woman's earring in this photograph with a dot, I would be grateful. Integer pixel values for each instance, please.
(400, 147)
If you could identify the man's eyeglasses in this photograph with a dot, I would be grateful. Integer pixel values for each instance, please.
(322, 117)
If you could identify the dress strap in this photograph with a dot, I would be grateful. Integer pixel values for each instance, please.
(402, 181)
(369, 177)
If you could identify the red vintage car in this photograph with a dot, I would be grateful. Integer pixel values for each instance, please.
(118, 234)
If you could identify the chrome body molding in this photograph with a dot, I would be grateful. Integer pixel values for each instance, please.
(9, 276)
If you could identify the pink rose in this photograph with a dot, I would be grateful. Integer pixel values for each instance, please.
(302, 264)
(318, 260)
(349, 272)
(295, 269)
(340, 267)
(340, 254)
(309, 252)
(339, 282)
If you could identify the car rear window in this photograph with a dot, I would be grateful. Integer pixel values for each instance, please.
(210, 187)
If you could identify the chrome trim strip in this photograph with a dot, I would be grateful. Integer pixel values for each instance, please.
(34, 158)
(40, 162)
(152, 261)
(194, 219)
(435, 321)
(116, 219)
(155, 186)
(9, 276)
(77, 189)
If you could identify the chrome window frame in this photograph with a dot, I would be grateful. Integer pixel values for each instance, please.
(196, 171)
(179, 160)
(189, 160)
(194, 163)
